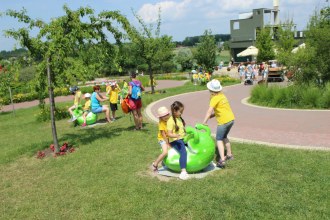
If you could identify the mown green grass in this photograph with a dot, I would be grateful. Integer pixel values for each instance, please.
(108, 177)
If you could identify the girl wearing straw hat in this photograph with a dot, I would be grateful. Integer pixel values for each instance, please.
(220, 108)
(163, 114)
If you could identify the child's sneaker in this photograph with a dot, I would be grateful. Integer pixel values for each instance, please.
(83, 125)
(231, 157)
(221, 164)
(72, 119)
(184, 176)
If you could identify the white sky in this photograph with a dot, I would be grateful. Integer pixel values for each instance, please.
(180, 18)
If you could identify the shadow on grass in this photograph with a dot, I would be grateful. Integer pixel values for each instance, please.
(89, 135)
(6, 113)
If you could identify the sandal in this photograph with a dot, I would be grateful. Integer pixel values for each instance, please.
(221, 164)
(155, 168)
(231, 157)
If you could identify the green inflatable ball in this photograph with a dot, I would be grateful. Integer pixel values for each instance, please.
(91, 118)
(200, 150)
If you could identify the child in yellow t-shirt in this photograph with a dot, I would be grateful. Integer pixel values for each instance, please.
(86, 108)
(220, 108)
(113, 96)
(77, 94)
(176, 132)
(163, 114)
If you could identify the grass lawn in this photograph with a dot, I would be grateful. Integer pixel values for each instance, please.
(108, 177)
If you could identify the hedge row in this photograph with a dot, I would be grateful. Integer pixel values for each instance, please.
(17, 98)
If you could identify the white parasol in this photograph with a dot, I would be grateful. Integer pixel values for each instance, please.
(301, 46)
(250, 51)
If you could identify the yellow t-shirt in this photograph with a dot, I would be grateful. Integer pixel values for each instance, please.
(222, 110)
(113, 95)
(162, 126)
(171, 127)
(87, 105)
(77, 98)
(125, 85)
(107, 89)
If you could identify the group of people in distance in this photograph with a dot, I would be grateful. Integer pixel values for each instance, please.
(171, 128)
(253, 69)
(93, 101)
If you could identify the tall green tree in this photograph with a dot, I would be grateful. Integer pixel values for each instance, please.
(312, 64)
(318, 40)
(185, 59)
(285, 42)
(265, 44)
(9, 74)
(151, 47)
(206, 51)
(63, 39)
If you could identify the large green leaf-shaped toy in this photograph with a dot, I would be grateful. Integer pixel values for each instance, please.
(200, 150)
(91, 118)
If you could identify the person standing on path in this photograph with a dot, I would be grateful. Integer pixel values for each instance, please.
(135, 89)
(220, 108)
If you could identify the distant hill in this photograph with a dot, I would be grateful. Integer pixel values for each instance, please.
(191, 41)
(14, 53)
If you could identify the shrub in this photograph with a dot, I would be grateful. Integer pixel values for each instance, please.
(295, 96)
(60, 113)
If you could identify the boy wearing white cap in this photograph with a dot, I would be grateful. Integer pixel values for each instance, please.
(220, 108)
(86, 107)
(163, 114)
(113, 93)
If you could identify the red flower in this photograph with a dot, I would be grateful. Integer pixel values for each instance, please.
(52, 147)
(63, 148)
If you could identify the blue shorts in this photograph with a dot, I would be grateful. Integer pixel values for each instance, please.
(223, 130)
(97, 110)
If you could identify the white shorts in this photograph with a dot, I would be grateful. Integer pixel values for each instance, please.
(161, 142)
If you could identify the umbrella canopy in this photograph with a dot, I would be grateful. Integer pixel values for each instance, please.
(250, 51)
(295, 50)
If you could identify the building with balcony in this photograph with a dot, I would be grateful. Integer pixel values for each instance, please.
(243, 30)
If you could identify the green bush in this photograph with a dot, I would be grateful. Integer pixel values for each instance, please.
(60, 113)
(295, 96)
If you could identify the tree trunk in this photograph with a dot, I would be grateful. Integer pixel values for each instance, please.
(11, 99)
(151, 79)
(52, 106)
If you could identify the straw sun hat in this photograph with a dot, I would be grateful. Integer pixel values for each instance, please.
(162, 111)
(214, 85)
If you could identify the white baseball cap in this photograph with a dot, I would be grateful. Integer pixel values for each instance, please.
(87, 95)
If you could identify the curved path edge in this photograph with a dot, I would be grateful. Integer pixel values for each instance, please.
(245, 101)
(150, 115)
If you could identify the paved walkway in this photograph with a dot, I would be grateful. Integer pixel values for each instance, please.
(283, 128)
